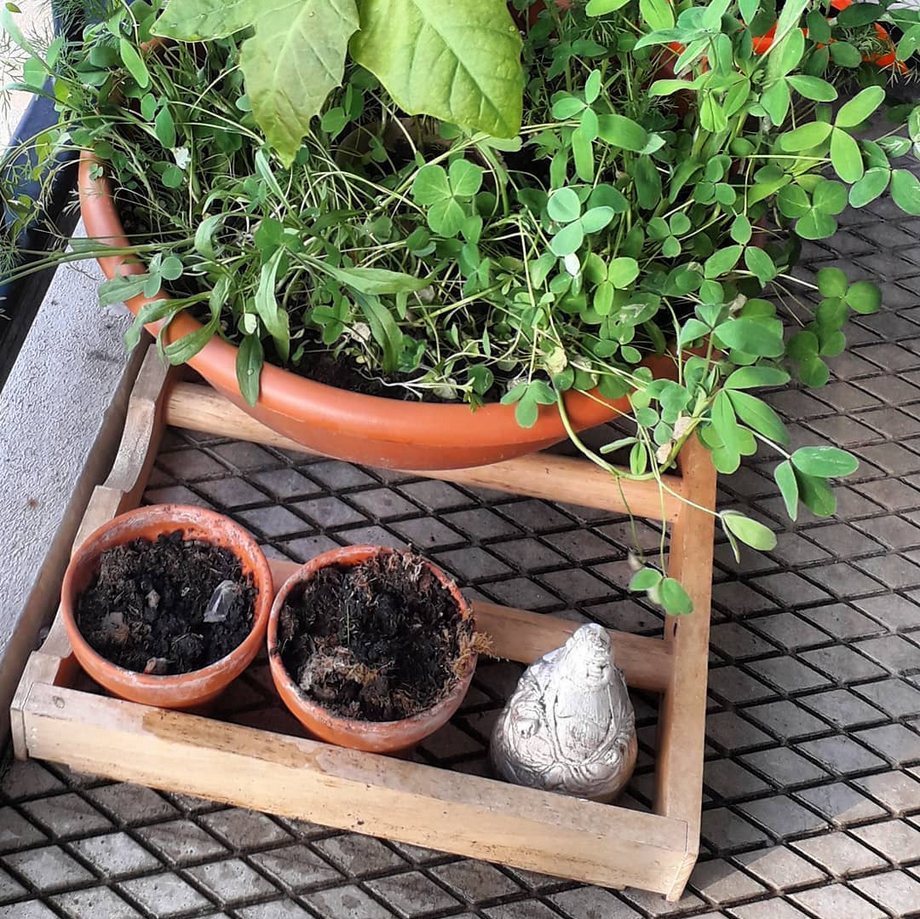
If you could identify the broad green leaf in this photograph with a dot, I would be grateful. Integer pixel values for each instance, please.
(674, 598)
(864, 297)
(845, 55)
(645, 579)
(819, 29)
(757, 415)
(846, 157)
(568, 240)
(816, 494)
(788, 19)
(870, 186)
(858, 14)
(431, 185)
(648, 184)
(793, 201)
(566, 106)
(741, 230)
(134, 62)
(860, 107)
(763, 338)
(526, 412)
(788, 486)
(832, 282)
(909, 43)
(185, 348)
(813, 88)
(724, 421)
(619, 131)
(776, 100)
(171, 268)
(829, 197)
(750, 532)
(273, 316)
(722, 261)
(202, 20)
(759, 264)
(165, 128)
(691, 331)
(754, 377)
(563, 205)
(807, 136)
(447, 217)
(815, 225)
(384, 329)
(149, 312)
(583, 154)
(249, 367)
(465, 178)
(459, 62)
(596, 219)
(622, 271)
(824, 462)
(814, 372)
(374, 281)
(290, 65)
(786, 56)
(120, 289)
(603, 7)
(905, 191)
(657, 13)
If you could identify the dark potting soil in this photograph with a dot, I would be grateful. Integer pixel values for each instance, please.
(339, 371)
(150, 609)
(379, 641)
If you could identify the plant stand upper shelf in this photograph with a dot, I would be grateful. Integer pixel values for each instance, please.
(55, 716)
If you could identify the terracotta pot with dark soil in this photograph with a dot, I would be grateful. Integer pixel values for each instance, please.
(167, 605)
(354, 426)
(371, 648)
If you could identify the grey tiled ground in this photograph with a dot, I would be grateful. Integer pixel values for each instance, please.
(812, 783)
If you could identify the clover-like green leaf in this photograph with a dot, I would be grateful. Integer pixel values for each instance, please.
(563, 206)
(568, 240)
(750, 532)
(860, 107)
(465, 178)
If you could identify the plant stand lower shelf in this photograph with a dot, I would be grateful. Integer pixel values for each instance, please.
(57, 715)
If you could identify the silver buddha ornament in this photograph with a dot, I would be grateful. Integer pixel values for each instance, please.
(569, 727)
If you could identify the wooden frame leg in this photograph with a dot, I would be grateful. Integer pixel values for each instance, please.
(682, 710)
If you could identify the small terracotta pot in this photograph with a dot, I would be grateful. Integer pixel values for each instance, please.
(370, 736)
(180, 690)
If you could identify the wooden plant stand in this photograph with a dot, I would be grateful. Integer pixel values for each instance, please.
(57, 716)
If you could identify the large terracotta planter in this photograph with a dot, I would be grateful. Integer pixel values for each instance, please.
(370, 736)
(367, 429)
(181, 690)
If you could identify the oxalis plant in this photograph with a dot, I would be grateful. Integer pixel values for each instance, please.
(661, 164)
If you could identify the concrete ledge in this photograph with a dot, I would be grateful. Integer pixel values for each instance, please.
(61, 415)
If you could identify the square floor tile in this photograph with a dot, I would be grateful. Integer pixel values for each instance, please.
(296, 867)
(840, 803)
(49, 868)
(835, 900)
(164, 894)
(839, 853)
(411, 894)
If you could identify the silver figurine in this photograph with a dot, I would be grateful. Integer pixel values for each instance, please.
(569, 727)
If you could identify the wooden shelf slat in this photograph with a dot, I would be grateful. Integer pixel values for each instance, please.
(363, 792)
(567, 479)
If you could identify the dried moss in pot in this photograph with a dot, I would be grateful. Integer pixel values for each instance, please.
(166, 607)
(378, 641)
